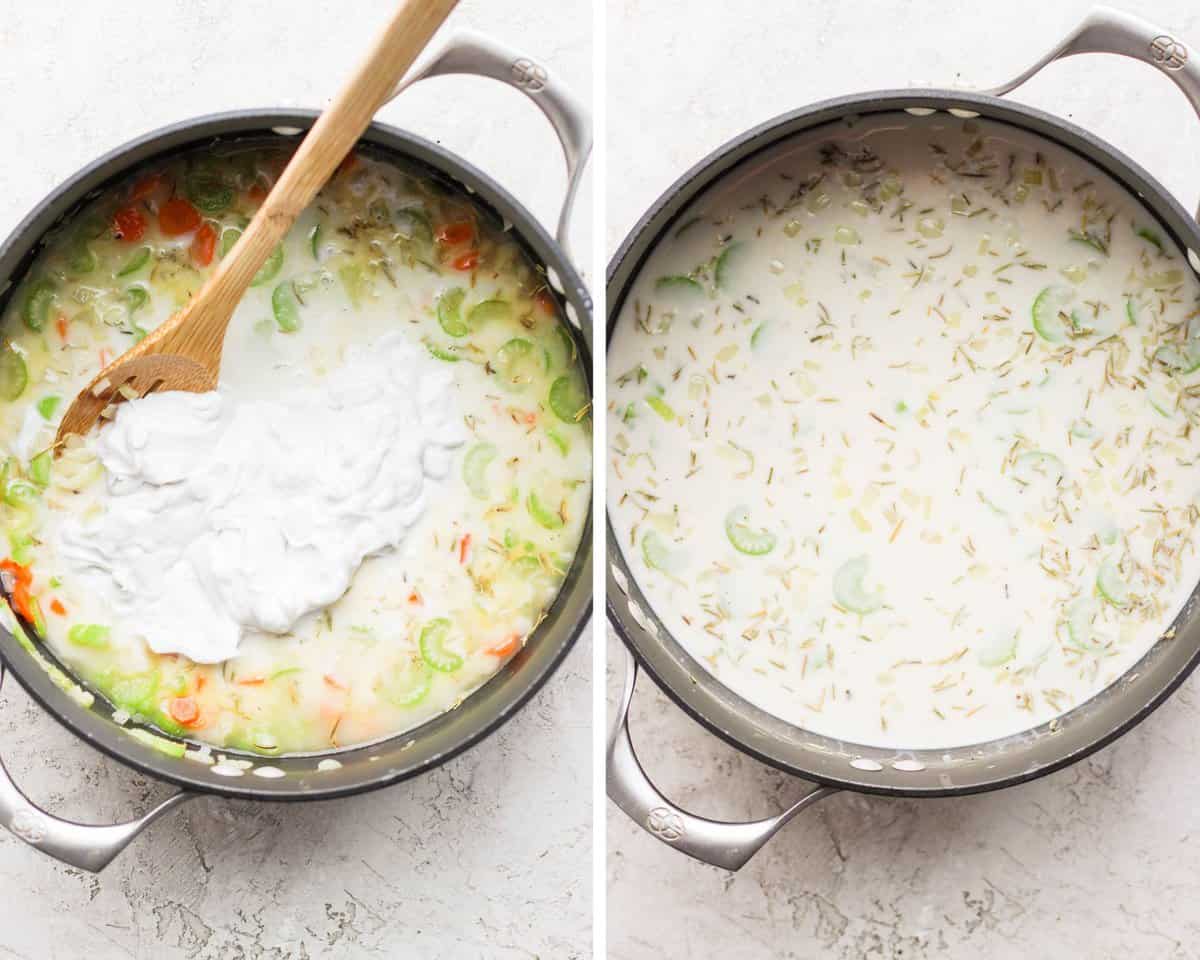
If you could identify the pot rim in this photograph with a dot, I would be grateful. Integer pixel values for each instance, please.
(508, 690)
(825, 760)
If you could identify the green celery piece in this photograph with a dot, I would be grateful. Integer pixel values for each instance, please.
(544, 515)
(286, 308)
(449, 312)
(48, 406)
(93, 635)
(39, 298)
(567, 399)
(14, 375)
(475, 465)
(39, 468)
(433, 647)
(171, 748)
(407, 688)
(489, 311)
(135, 263)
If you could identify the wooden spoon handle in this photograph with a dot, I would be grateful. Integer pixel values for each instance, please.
(326, 145)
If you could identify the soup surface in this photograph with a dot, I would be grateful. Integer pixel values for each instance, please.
(364, 522)
(901, 421)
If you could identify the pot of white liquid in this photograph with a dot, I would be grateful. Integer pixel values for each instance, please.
(184, 193)
(901, 490)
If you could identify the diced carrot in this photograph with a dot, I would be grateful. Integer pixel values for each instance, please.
(334, 682)
(252, 681)
(464, 546)
(144, 187)
(60, 324)
(466, 261)
(128, 224)
(184, 710)
(56, 606)
(257, 192)
(20, 575)
(204, 244)
(177, 217)
(414, 597)
(506, 646)
(201, 680)
(545, 301)
(455, 234)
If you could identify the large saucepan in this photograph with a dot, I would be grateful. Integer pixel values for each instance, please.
(366, 767)
(824, 761)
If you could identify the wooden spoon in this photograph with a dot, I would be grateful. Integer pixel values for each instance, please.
(185, 352)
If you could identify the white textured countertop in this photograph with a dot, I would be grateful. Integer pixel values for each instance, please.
(1100, 860)
(487, 857)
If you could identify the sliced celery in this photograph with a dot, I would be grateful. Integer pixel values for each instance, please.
(139, 259)
(1111, 586)
(567, 399)
(134, 692)
(544, 515)
(39, 298)
(270, 268)
(14, 376)
(449, 312)
(286, 308)
(39, 468)
(81, 260)
(407, 688)
(679, 283)
(722, 272)
(661, 407)
(448, 354)
(136, 297)
(93, 635)
(20, 494)
(848, 588)
(209, 194)
(475, 465)
(172, 748)
(752, 541)
(489, 311)
(655, 552)
(48, 406)
(1048, 313)
(433, 647)
(1000, 651)
(517, 363)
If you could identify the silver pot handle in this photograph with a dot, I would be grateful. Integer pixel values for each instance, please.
(473, 53)
(715, 842)
(1105, 30)
(86, 846)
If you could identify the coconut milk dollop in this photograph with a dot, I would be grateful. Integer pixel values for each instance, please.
(225, 513)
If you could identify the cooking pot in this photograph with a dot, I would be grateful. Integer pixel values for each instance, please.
(379, 764)
(825, 763)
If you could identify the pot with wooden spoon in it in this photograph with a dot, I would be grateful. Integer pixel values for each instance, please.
(185, 352)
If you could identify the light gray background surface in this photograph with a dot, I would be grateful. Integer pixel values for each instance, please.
(489, 856)
(1098, 861)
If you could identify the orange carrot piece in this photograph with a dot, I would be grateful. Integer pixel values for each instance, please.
(506, 646)
(184, 710)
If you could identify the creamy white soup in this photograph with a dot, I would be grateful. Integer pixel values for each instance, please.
(365, 521)
(901, 431)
